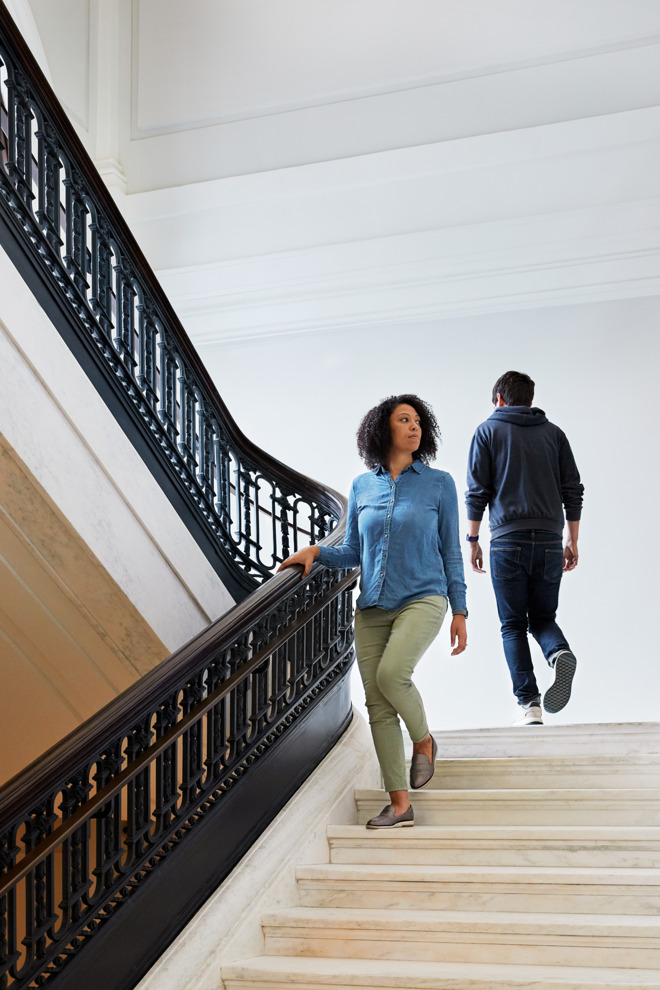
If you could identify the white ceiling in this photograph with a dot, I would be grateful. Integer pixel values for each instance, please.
(266, 84)
(289, 165)
(237, 58)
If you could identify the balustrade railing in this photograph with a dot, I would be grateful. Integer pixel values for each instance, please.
(83, 830)
(254, 507)
(99, 822)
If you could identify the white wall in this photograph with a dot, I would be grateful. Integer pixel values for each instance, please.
(596, 372)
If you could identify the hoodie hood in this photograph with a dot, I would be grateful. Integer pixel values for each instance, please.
(520, 415)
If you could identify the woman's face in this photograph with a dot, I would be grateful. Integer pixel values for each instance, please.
(406, 429)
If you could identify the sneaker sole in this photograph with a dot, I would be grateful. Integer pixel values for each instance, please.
(558, 693)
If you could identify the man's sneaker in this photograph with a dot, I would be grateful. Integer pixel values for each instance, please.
(530, 716)
(558, 693)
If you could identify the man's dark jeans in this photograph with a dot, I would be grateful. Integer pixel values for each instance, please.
(526, 569)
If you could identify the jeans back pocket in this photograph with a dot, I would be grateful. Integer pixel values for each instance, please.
(554, 564)
(505, 562)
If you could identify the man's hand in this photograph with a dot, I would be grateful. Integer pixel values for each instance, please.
(304, 557)
(570, 555)
(458, 635)
(477, 558)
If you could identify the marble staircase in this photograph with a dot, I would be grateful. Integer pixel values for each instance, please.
(528, 868)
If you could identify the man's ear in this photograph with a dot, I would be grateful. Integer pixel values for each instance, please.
(499, 402)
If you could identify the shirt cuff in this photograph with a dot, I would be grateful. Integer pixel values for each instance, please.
(460, 611)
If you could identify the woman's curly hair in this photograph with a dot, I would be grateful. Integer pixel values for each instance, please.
(374, 437)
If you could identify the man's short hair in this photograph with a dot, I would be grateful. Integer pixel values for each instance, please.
(515, 388)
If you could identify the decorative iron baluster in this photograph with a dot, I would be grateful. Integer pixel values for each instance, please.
(75, 257)
(40, 914)
(260, 679)
(238, 704)
(107, 824)
(206, 443)
(243, 485)
(187, 431)
(48, 212)
(216, 721)
(100, 299)
(297, 651)
(19, 151)
(248, 532)
(147, 377)
(321, 523)
(280, 662)
(167, 790)
(282, 502)
(125, 321)
(222, 460)
(9, 954)
(75, 851)
(139, 791)
(167, 404)
(192, 759)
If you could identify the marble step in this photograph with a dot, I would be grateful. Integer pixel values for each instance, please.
(549, 890)
(548, 772)
(300, 973)
(466, 936)
(604, 806)
(482, 845)
(588, 739)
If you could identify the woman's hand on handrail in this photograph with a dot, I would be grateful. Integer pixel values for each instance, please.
(304, 557)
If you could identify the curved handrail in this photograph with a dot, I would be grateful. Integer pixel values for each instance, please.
(248, 503)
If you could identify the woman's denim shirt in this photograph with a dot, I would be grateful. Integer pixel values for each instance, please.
(404, 536)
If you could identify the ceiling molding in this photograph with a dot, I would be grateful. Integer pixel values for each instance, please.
(330, 98)
(585, 255)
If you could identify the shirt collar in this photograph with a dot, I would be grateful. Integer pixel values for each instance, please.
(417, 466)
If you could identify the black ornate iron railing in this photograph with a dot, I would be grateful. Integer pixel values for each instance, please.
(111, 827)
(88, 825)
(248, 507)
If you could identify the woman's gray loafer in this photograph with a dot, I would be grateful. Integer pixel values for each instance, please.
(387, 818)
(421, 768)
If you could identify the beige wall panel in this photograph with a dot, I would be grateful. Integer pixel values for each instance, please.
(71, 639)
(27, 729)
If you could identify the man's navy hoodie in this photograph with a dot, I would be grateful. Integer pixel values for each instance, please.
(522, 467)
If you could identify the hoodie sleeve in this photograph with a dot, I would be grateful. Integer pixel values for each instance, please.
(571, 488)
(348, 554)
(479, 481)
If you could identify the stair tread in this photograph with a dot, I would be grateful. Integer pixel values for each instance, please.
(538, 874)
(432, 832)
(519, 793)
(403, 919)
(398, 973)
(514, 762)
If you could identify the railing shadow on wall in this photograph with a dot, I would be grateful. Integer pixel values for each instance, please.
(113, 839)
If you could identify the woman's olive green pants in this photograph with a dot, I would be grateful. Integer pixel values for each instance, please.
(389, 645)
